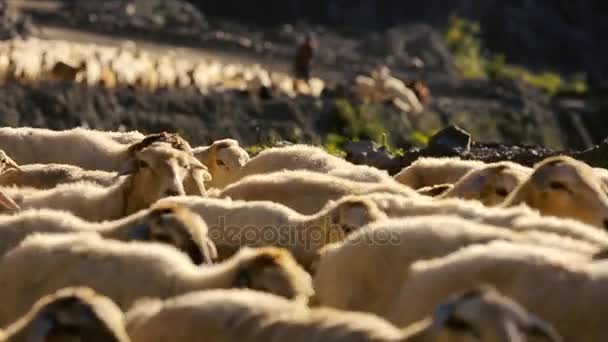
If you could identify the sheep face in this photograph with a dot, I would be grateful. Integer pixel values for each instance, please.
(75, 315)
(490, 184)
(224, 158)
(350, 214)
(484, 315)
(158, 171)
(179, 227)
(565, 187)
(272, 270)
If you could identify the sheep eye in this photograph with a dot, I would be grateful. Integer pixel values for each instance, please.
(348, 229)
(557, 186)
(502, 192)
(142, 164)
(221, 163)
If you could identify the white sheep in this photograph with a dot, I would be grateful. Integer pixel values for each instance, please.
(70, 314)
(365, 272)
(223, 159)
(566, 292)
(304, 191)
(78, 146)
(157, 171)
(519, 218)
(239, 315)
(433, 171)
(490, 184)
(170, 224)
(126, 272)
(47, 176)
(564, 187)
(311, 158)
(233, 224)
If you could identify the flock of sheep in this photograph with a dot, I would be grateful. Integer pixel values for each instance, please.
(120, 236)
(109, 66)
(33, 60)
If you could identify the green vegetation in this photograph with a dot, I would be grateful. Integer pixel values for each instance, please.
(463, 38)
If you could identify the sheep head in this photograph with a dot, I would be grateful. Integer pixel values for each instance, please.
(71, 314)
(349, 214)
(159, 171)
(490, 184)
(564, 187)
(179, 227)
(272, 270)
(488, 316)
(224, 158)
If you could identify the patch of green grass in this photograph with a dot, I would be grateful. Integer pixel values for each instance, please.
(463, 39)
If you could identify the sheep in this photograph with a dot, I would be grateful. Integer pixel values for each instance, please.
(519, 218)
(490, 184)
(568, 293)
(170, 224)
(432, 171)
(240, 315)
(70, 314)
(79, 147)
(564, 187)
(259, 224)
(364, 273)
(311, 158)
(144, 270)
(304, 191)
(157, 171)
(47, 176)
(223, 158)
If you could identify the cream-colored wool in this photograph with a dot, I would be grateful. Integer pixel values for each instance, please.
(70, 314)
(126, 272)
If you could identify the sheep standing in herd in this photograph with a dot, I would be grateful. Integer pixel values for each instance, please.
(259, 224)
(70, 314)
(173, 225)
(126, 272)
(157, 171)
(127, 217)
(234, 316)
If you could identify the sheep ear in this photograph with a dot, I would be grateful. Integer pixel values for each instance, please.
(128, 168)
(209, 251)
(8, 202)
(202, 173)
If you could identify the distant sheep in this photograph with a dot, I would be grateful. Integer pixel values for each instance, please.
(173, 225)
(490, 184)
(304, 191)
(126, 272)
(433, 171)
(365, 272)
(566, 292)
(564, 187)
(519, 218)
(156, 171)
(223, 159)
(70, 314)
(258, 224)
(237, 315)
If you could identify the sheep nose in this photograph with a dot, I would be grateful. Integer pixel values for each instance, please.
(172, 192)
